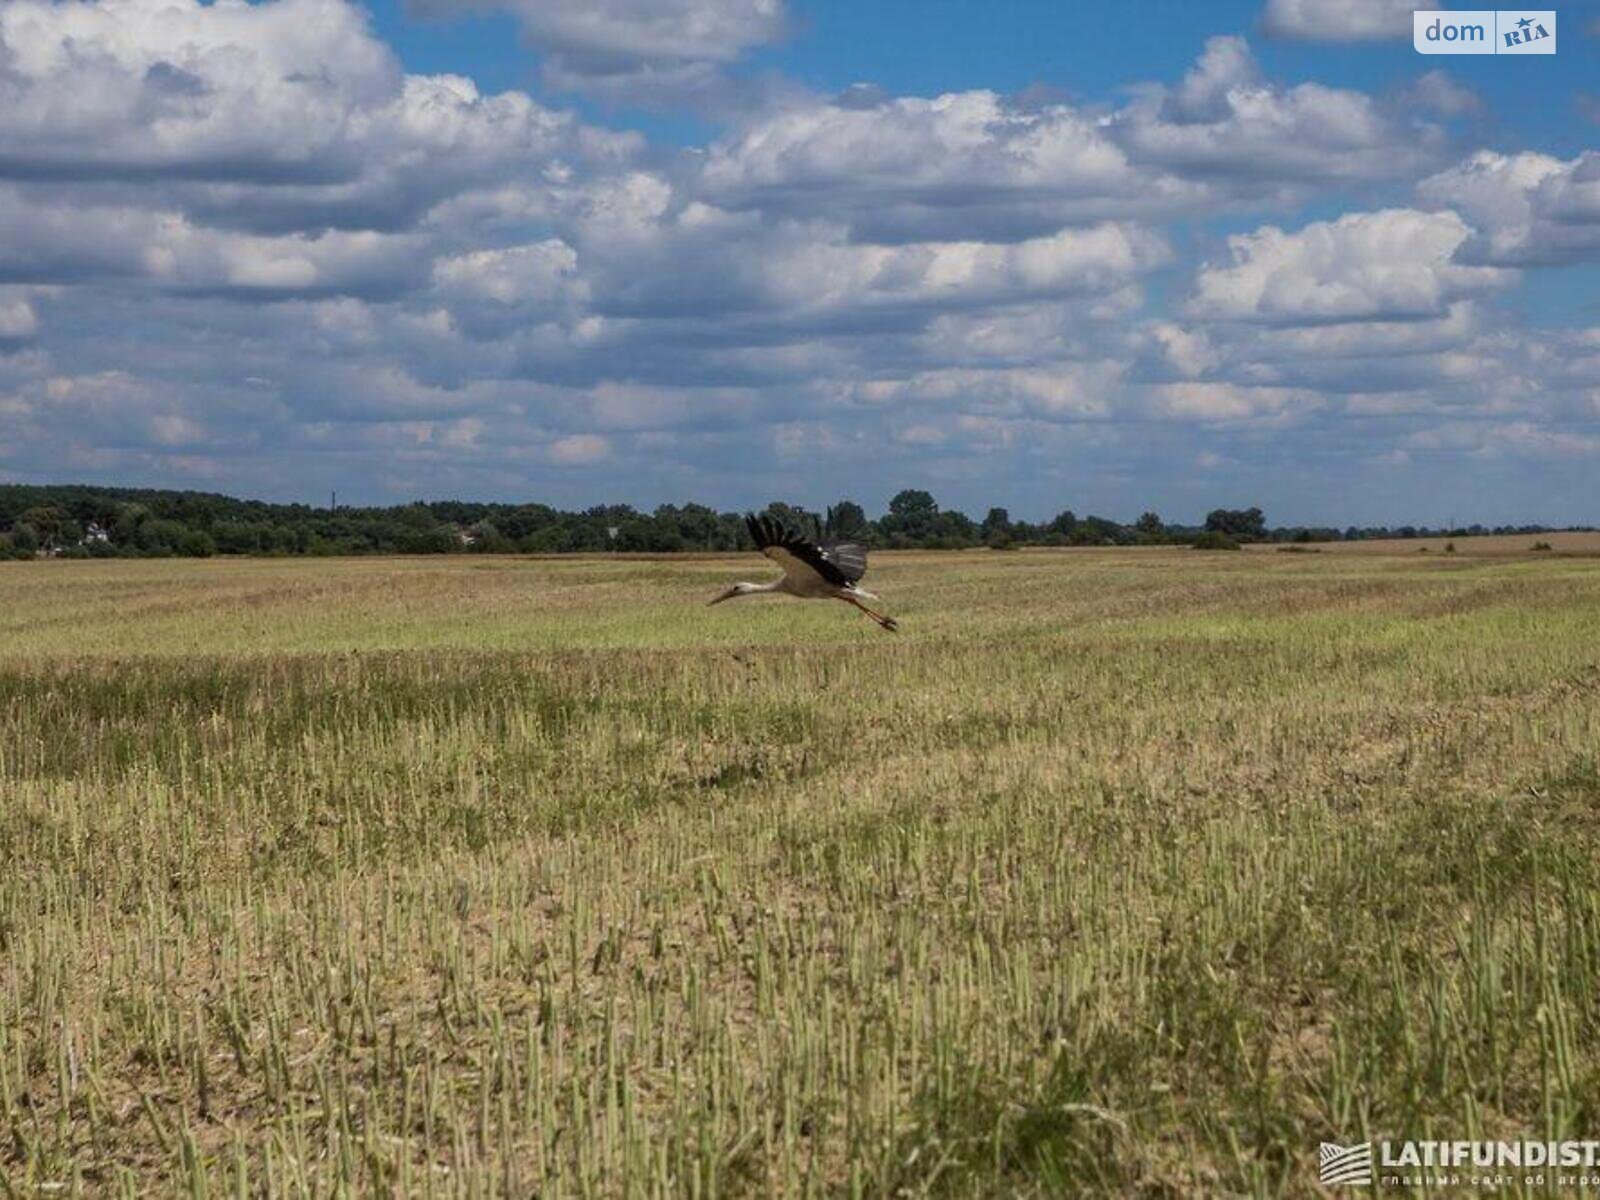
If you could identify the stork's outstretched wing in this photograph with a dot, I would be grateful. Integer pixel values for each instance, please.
(839, 563)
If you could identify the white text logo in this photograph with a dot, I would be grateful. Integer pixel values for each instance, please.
(1474, 1164)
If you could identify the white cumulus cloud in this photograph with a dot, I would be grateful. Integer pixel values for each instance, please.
(632, 50)
(1225, 122)
(1528, 208)
(1395, 263)
(1341, 20)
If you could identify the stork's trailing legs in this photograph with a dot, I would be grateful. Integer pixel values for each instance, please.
(888, 623)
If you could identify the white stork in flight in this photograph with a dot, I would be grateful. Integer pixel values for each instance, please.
(812, 569)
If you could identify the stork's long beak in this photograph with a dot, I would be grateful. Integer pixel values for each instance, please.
(727, 595)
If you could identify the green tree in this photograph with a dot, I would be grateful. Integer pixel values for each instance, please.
(1242, 524)
(196, 543)
(487, 538)
(847, 519)
(159, 536)
(553, 538)
(417, 516)
(952, 530)
(911, 518)
(1098, 531)
(699, 527)
(1063, 525)
(24, 540)
(913, 504)
(996, 529)
(800, 519)
(52, 526)
(129, 519)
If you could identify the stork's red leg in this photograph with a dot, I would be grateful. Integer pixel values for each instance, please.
(888, 623)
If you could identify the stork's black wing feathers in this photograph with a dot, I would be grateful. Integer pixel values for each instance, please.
(840, 563)
(851, 557)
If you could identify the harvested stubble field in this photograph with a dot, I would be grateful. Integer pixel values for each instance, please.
(1115, 872)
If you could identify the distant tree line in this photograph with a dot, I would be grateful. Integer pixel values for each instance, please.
(96, 522)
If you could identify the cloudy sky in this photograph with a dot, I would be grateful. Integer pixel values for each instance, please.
(1169, 255)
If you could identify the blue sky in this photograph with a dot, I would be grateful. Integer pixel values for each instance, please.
(738, 250)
